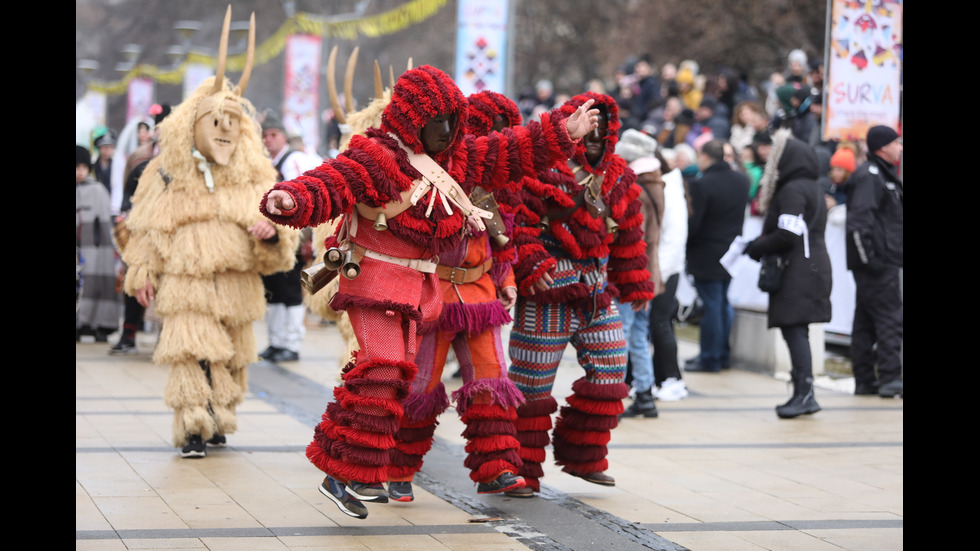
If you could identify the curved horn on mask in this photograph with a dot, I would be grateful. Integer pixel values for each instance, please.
(219, 75)
(249, 57)
(338, 113)
(409, 64)
(349, 80)
(391, 77)
(379, 87)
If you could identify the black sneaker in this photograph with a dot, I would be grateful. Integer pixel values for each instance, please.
(373, 493)
(268, 352)
(505, 482)
(892, 389)
(336, 493)
(218, 440)
(194, 447)
(866, 389)
(124, 346)
(401, 491)
(283, 355)
(698, 367)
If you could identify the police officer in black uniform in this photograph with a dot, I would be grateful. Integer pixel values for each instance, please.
(875, 207)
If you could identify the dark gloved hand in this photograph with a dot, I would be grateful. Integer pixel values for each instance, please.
(751, 251)
(875, 266)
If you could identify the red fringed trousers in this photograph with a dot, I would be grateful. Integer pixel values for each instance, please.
(357, 433)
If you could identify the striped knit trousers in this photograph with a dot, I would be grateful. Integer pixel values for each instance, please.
(540, 334)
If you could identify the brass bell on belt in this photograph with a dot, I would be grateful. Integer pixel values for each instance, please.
(381, 222)
(501, 239)
(544, 223)
(351, 267)
(611, 225)
(333, 259)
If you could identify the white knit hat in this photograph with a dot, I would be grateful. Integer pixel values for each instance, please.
(644, 165)
(634, 144)
(798, 56)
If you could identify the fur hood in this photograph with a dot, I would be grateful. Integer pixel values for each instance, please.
(789, 159)
(419, 95)
(605, 103)
(485, 106)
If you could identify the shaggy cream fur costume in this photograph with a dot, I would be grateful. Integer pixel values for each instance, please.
(194, 246)
(319, 303)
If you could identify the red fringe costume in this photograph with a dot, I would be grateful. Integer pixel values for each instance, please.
(470, 323)
(590, 266)
(388, 302)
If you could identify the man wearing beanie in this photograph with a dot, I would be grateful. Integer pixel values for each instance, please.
(874, 229)
(843, 163)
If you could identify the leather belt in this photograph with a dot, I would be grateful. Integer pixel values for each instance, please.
(425, 266)
(458, 275)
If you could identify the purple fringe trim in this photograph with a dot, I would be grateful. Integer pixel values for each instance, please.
(473, 319)
(502, 392)
(430, 405)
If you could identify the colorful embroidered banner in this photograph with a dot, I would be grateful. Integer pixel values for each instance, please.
(301, 95)
(864, 74)
(139, 98)
(481, 46)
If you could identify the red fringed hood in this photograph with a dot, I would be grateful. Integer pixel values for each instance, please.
(603, 102)
(483, 109)
(419, 95)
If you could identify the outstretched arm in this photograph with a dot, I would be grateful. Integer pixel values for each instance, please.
(582, 121)
(278, 202)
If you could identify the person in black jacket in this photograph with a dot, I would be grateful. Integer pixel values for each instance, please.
(875, 213)
(795, 211)
(717, 215)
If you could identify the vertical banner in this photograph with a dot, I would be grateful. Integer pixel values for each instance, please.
(301, 98)
(481, 46)
(139, 98)
(864, 74)
(90, 112)
(194, 75)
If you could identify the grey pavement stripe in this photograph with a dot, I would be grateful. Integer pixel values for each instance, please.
(773, 526)
(281, 531)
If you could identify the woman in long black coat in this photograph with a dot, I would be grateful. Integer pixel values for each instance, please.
(795, 218)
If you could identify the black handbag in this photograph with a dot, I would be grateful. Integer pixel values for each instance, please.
(771, 272)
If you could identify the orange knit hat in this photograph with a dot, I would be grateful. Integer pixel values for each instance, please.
(843, 158)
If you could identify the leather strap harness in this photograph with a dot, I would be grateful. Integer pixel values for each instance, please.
(458, 274)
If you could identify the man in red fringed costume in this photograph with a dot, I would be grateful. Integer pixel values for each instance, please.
(580, 244)
(477, 281)
(397, 171)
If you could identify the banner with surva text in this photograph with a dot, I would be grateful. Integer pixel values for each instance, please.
(864, 71)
